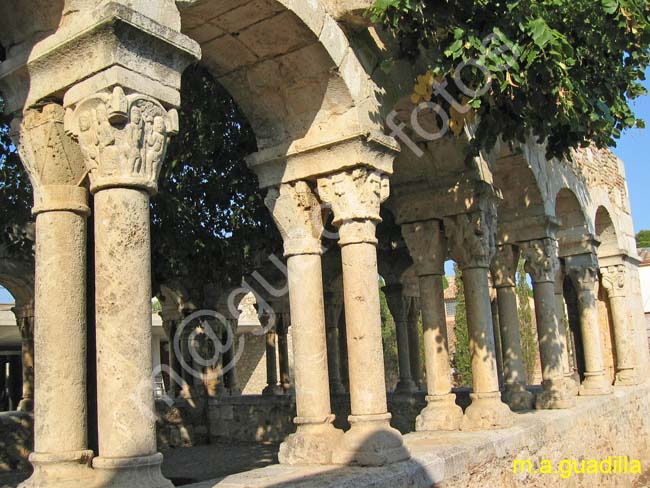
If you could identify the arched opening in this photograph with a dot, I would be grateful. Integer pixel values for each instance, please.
(573, 238)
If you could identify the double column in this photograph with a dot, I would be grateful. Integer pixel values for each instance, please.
(298, 215)
(52, 159)
(428, 247)
(542, 264)
(583, 271)
(613, 279)
(504, 270)
(472, 245)
(355, 196)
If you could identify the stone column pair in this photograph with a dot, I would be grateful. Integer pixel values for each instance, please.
(355, 196)
(428, 247)
(613, 279)
(504, 270)
(472, 245)
(542, 264)
(25, 320)
(583, 271)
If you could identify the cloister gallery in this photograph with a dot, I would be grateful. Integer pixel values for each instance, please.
(337, 144)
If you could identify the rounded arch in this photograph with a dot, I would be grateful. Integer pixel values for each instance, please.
(606, 233)
(18, 279)
(574, 229)
(290, 68)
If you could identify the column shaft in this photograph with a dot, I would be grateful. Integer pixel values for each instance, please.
(516, 395)
(441, 412)
(333, 313)
(412, 324)
(123, 298)
(272, 387)
(283, 351)
(27, 353)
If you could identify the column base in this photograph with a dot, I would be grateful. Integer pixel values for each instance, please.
(371, 441)
(571, 385)
(141, 471)
(487, 411)
(273, 390)
(441, 413)
(595, 384)
(518, 398)
(26, 405)
(627, 377)
(312, 443)
(70, 469)
(406, 386)
(555, 395)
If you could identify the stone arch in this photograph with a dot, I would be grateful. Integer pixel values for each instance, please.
(290, 68)
(18, 279)
(574, 230)
(606, 233)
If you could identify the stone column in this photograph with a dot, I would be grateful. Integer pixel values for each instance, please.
(583, 271)
(25, 320)
(542, 264)
(504, 269)
(333, 311)
(398, 304)
(283, 355)
(4, 398)
(272, 386)
(355, 196)
(412, 324)
(428, 247)
(298, 215)
(55, 165)
(471, 244)
(567, 358)
(494, 310)
(124, 138)
(613, 280)
(170, 328)
(228, 358)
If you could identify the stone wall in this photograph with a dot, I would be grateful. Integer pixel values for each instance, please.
(597, 427)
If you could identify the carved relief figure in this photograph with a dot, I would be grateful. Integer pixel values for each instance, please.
(133, 141)
(155, 146)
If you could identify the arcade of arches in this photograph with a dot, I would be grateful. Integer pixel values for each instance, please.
(93, 135)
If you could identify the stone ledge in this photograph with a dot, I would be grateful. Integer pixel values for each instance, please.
(596, 427)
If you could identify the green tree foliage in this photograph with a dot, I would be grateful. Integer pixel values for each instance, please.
(526, 322)
(562, 70)
(462, 359)
(643, 238)
(209, 218)
(15, 196)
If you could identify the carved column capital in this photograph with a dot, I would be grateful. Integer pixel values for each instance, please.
(542, 262)
(123, 138)
(583, 272)
(427, 245)
(52, 160)
(398, 303)
(504, 266)
(25, 321)
(472, 236)
(355, 197)
(613, 280)
(299, 217)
